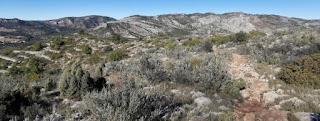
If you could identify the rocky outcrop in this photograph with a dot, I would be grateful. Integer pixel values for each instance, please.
(80, 22)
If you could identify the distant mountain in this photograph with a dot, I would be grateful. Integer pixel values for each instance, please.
(39, 30)
(199, 24)
(27, 27)
(80, 22)
(196, 24)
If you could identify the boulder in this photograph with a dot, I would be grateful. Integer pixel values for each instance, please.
(196, 94)
(271, 96)
(202, 101)
(303, 116)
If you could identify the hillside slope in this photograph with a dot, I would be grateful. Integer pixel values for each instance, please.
(199, 24)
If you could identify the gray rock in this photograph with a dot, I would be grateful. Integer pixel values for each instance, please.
(196, 94)
(303, 116)
(202, 101)
(224, 108)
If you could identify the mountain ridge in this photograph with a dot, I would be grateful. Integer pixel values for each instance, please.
(138, 26)
(199, 24)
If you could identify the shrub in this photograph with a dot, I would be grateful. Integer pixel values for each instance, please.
(37, 46)
(152, 69)
(81, 32)
(171, 44)
(74, 82)
(57, 43)
(129, 102)
(219, 39)
(177, 53)
(256, 33)
(36, 65)
(233, 88)
(98, 70)
(195, 63)
(276, 49)
(304, 72)
(86, 49)
(50, 85)
(33, 68)
(4, 65)
(205, 46)
(15, 70)
(11, 103)
(34, 77)
(54, 56)
(227, 116)
(116, 55)
(107, 49)
(95, 58)
(211, 75)
(192, 42)
(239, 37)
(116, 38)
(34, 111)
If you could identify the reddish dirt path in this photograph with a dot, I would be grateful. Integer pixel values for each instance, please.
(252, 109)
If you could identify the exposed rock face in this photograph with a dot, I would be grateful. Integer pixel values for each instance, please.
(199, 24)
(80, 22)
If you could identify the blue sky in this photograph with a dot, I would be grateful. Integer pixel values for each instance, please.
(52, 9)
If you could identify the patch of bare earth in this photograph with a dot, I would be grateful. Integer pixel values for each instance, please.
(253, 108)
(8, 39)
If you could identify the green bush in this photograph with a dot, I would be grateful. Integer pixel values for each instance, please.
(107, 49)
(233, 88)
(116, 38)
(219, 39)
(152, 69)
(86, 49)
(3, 64)
(171, 44)
(36, 65)
(227, 116)
(56, 43)
(256, 33)
(74, 82)
(99, 70)
(33, 68)
(81, 32)
(117, 55)
(129, 102)
(192, 42)
(54, 56)
(195, 63)
(204, 46)
(15, 70)
(95, 58)
(37, 46)
(239, 37)
(211, 75)
(304, 72)
(34, 77)
(50, 85)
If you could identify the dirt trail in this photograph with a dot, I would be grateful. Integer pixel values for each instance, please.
(242, 67)
(252, 109)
